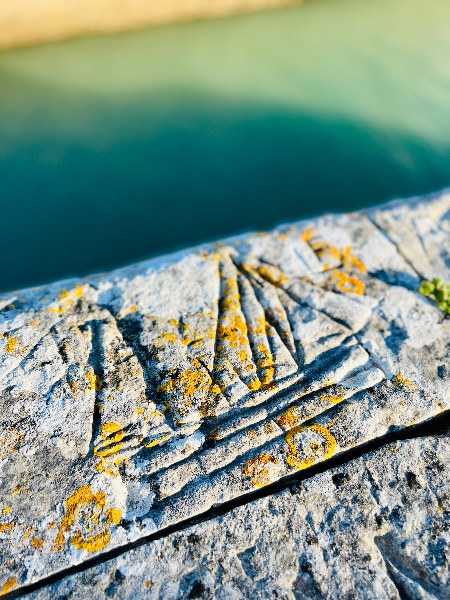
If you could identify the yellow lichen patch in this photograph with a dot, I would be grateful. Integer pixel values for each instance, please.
(267, 364)
(400, 381)
(67, 299)
(94, 380)
(89, 520)
(272, 275)
(324, 248)
(346, 257)
(11, 442)
(347, 284)
(37, 543)
(251, 433)
(332, 399)
(148, 584)
(112, 435)
(350, 261)
(7, 510)
(168, 337)
(308, 234)
(9, 585)
(259, 470)
(11, 343)
(192, 381)
(134, 308)
(7, 527)
(289, 419)
(157, 441)
(140, 411)
(188, 384)
(254, 384)
(319, 446)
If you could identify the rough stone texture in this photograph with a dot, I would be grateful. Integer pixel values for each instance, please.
(378, 528)
(24, 22)
(134, 401)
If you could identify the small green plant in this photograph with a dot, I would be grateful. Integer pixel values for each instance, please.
(439, 291)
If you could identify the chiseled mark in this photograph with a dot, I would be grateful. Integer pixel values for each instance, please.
(111, 443)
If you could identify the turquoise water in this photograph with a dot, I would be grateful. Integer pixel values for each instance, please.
(113, 149)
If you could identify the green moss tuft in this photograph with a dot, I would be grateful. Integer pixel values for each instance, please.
(439, 291)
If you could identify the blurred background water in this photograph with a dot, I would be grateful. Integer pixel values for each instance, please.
(114, 149)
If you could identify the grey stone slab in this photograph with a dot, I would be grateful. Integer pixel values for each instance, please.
(138, 399)
(376, 528)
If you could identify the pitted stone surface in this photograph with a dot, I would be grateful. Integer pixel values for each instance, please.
(376, 529)
(136, 400)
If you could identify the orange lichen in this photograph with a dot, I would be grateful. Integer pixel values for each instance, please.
(350, 261)
(272, 275)
(289, 418)
(11, 442)
(7, 527)
(347, 284)
(251, 433)
(87, 515)
(9, 585)
(167, 336)
(134, 308)
(308, 234)
(94, 380)
(400, 381)
(67, 299)
(11, 343)
(332, 399)
(37, 543)
(324, 248)
(258, 469)
(191, 381)
(157, 441)
(346, 257)
(112, 435)
(314, 452)
(254, 384)
(267, 364)
(148, 584)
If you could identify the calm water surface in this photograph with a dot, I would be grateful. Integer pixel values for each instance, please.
(118, 148)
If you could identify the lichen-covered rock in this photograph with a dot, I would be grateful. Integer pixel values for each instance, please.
(377, 528)
(134, 401)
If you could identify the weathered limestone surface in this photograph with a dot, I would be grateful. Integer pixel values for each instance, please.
(135, 401)
(24, 22)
